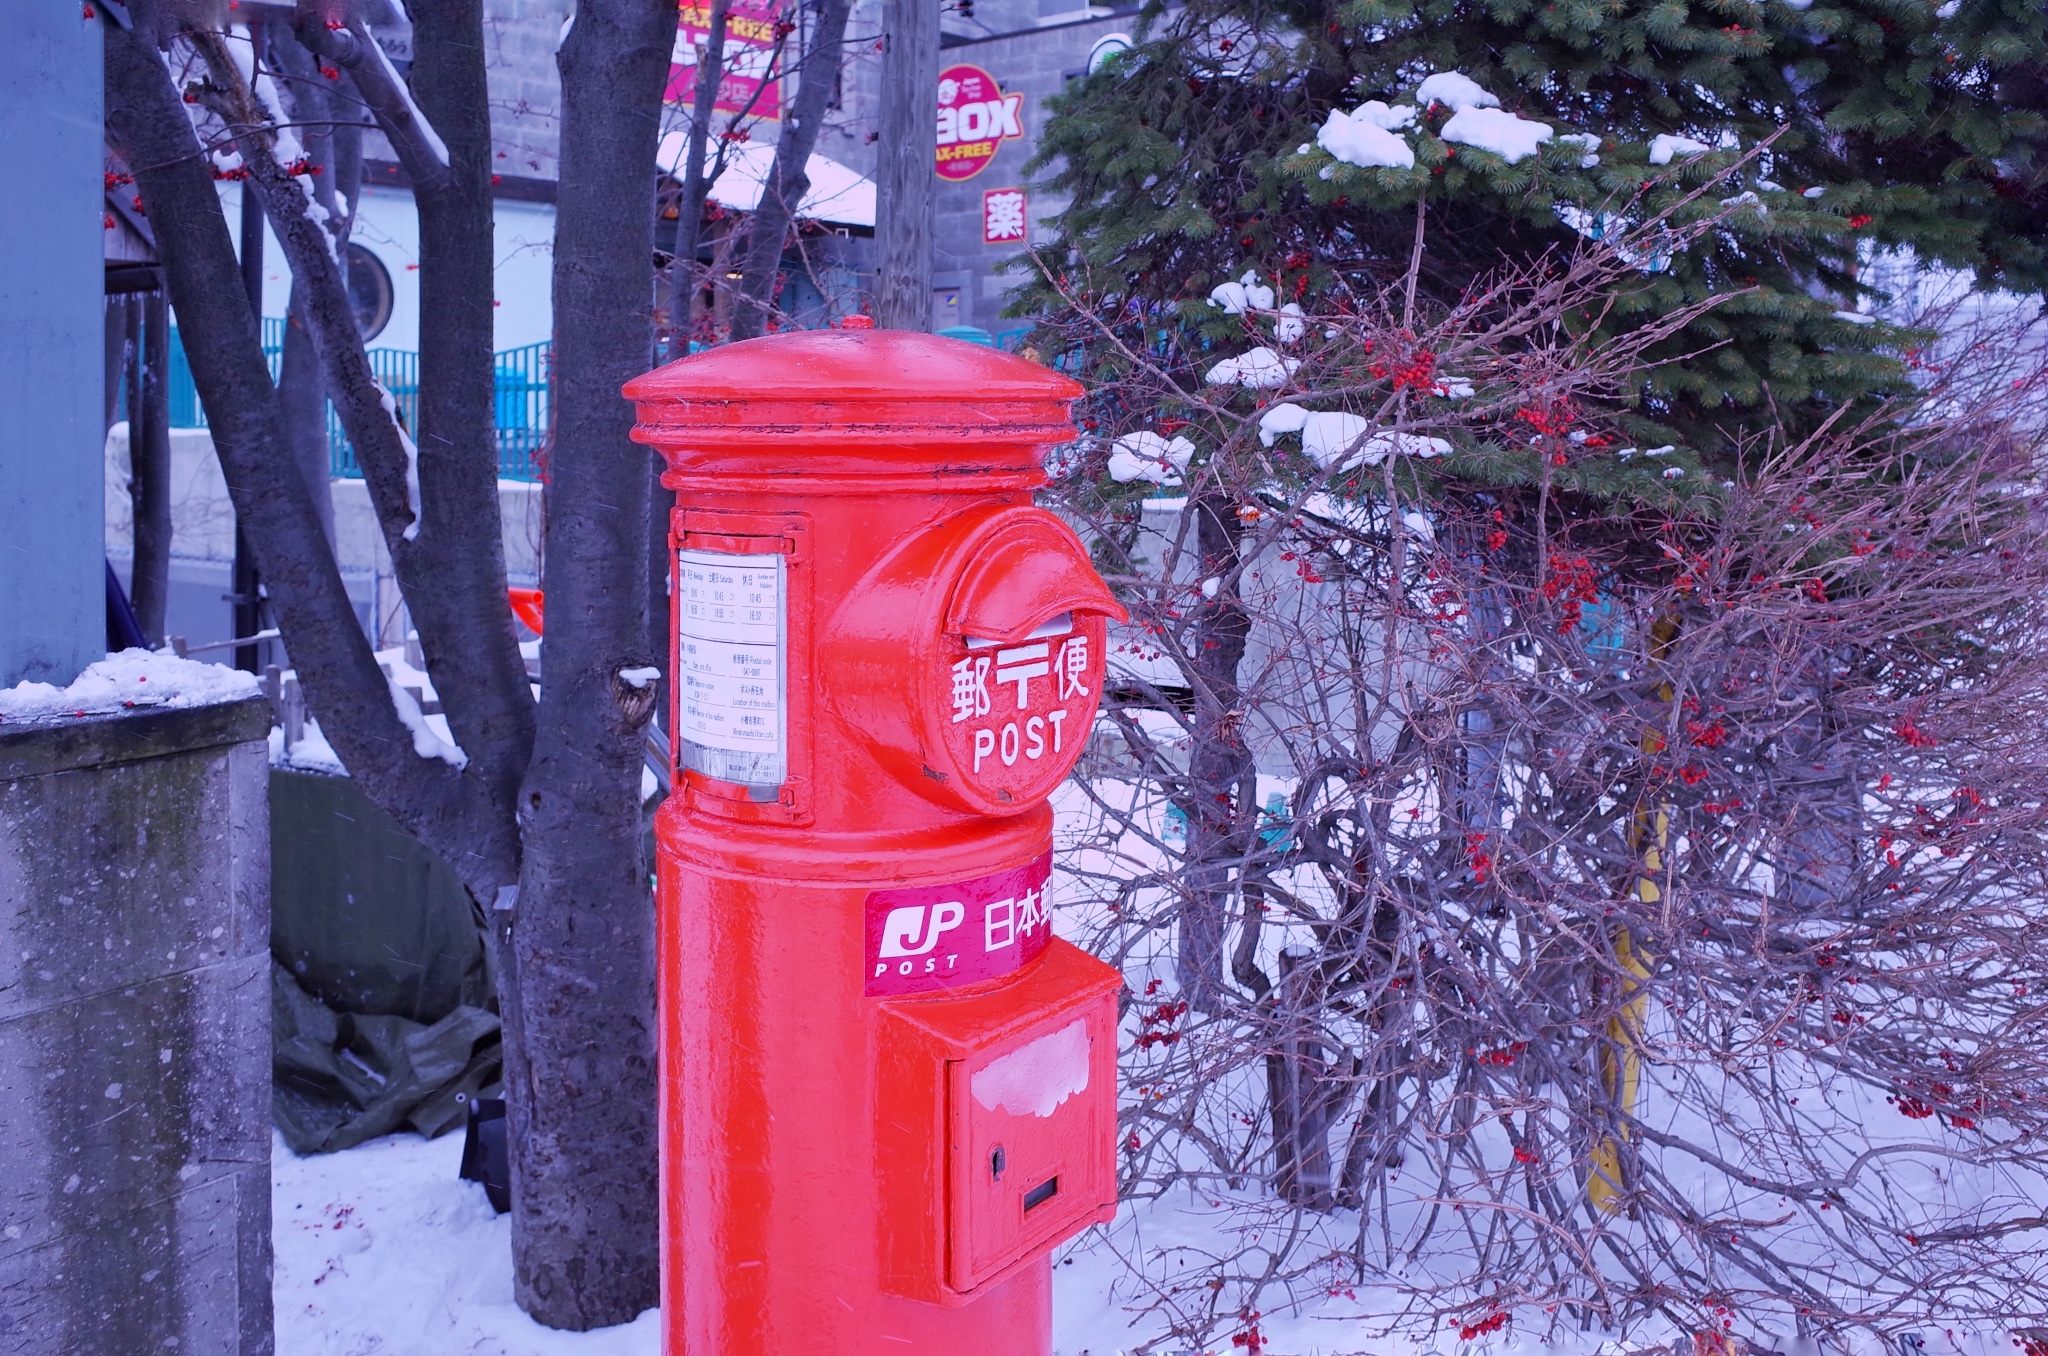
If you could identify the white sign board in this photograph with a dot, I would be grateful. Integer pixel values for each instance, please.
(731, 653)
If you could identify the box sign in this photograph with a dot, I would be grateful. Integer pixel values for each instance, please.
(975, 119)
(1002, 216)
(751, 29)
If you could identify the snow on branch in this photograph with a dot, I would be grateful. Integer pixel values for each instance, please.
(389, 97)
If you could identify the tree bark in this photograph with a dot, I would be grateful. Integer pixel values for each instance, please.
(1221, 784)
(120, 341)
(789, 179)
(463, 620)
(245, 586)
(322, 107)
(477, 656)
(146, 121)
(579, 1039)
(302, 402)
(149, 468)
(682, 288)
(576, 983)
(909, 144)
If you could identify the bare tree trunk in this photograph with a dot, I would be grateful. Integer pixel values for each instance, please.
(1298, 1085)
(302, 402)
(323, 107)
(458, 445)
(120, 338)
(579, 1037)
(453, 575)
(790, 178)
(1221, 782)
(147, 123)
(682, 287)
(245, 588)
(1814, 857)
(149, 463)
(909, 145)
(580, 1073)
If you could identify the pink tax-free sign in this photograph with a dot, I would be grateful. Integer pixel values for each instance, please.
(937, 936)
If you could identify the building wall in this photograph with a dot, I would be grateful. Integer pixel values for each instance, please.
(52, 584)
(520, 37)
(387, 225)
(203, 543)
(969, 285)
(1032, 47)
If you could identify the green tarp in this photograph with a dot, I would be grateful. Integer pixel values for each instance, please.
(381, 994)
(340, 1078)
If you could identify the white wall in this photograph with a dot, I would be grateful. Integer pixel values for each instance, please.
(525, 244)
(388, 226)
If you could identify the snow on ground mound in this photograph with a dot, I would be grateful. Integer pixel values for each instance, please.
(132, 678)
(381, 1248)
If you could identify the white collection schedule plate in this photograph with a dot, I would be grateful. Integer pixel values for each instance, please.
(730, 653)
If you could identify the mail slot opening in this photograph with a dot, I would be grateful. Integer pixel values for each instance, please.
(1042, 1193)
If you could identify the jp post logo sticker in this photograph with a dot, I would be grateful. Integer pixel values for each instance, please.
(940, 936)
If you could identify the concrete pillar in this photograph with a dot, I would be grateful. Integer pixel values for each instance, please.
(135, 1033)
(52, 346)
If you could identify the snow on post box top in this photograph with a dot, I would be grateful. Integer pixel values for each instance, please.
(853, 402)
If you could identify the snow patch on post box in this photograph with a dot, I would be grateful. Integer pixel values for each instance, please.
(1034, 1079)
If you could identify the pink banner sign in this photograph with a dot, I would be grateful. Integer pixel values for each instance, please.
(752, 28)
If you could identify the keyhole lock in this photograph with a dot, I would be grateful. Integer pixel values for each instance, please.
(996, 1163)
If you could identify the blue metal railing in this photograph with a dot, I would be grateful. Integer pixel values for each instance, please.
(524, 375)
(521, 408)
(398, 370)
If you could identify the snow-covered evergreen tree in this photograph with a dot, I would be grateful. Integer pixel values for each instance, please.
(1302, 140)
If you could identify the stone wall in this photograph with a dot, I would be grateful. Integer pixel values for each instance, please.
(520, 37)
(135, 1034)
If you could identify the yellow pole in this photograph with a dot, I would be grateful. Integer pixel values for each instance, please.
(1621, 1060)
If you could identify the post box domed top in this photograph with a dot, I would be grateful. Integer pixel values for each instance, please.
(852, 401)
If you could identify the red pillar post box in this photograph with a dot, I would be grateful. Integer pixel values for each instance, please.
(887, 1090)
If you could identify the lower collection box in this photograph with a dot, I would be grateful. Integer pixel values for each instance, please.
(997, 1123)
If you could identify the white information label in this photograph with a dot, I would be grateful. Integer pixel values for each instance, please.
(730, 660)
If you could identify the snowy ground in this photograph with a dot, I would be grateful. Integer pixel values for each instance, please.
(381, 1249)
